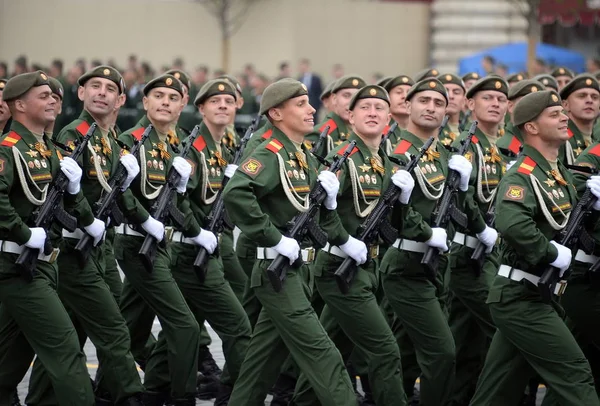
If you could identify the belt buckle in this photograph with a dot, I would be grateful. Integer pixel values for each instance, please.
(373, 251)
(310, 255)
(54, 255)
(563, 287)
(169, 234)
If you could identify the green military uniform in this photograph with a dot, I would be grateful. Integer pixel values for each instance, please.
(32, 319)
(84, 291)
(158, 288)
(355, 319)
(450, 133)
(533, 202)
(394, 138)
(416, 301)
(269, 188)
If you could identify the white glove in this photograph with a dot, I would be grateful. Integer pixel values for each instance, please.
(510, 164)
(155, 228)
(207, 240)
(355, 249)
(230, 170)
(563, 260)
(403, 180)
(96, 230)
(73, 172)
(488, 237)
(184, 168)
(37, 239)
(288, 247)
(132, 167)
(594, 184)
(461, 165)
(439, 239)
(331, 184)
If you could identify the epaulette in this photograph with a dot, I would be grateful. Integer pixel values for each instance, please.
(199, 143)
(595, 150)
(402, 147)
(267, 134)
(274, 146)
(332, 126)
(83, 128)
(515, 145)
(11, 139)
(137, 134)
(342, 150)
(527, 166)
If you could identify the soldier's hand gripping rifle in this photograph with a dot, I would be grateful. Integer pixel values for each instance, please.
(377, 223)
(106, 208)
(446, 210)
(215, 221)
(316, 148)
(303, 225)
(164, 207)
(52, 210)
(479, 253)
(388, 133)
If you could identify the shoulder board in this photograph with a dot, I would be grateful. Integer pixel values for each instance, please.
(595, 150)
(343, 149)
(267, 134)
(83, 128)
(274, 146)
(527, 166)
(570, 133)
(332, 126)
(199, 143)
(402, 147)
(11, 139)
(515, 145)
(474, 140)
(137, 134)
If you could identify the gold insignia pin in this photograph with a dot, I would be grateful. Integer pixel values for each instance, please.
(1, 85)
(545, 81)
(475, 76)
(554, 98)
(498, 85)
(44, 76)
(434, 72)
(169, 81)
(432, 84)
(354, 82)
(448, 78)
(561, 71)
(304, 87)
(520, 77)
(177, 75)
(588, 82)
(534, 89)
(221, 87)
(372, 92)
(106, 72)
(404, 79)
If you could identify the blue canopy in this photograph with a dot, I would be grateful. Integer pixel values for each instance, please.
(514, 56)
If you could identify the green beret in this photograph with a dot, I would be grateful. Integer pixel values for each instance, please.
(471, 76)
(57, 87)
(583, 81)
(562, 71)
(327, 91)
(491, 82)
(2, 84)
(427, 84)
(369, 92)
(547, 80)
(106, 72)
(533, 104)
(164, 80)
(21, 84)
(397, 81)
(280, 91)
(515, 77)
(381, 82)
(426, 73)
(234, 82)
(348, 82)
(525, 87)
(181, 75)
(214, 87)
(451, 79)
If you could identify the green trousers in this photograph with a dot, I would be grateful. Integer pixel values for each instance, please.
(356, 320)
(179, 327)
(246, 252)
(112, 277)
(96, 315)
(33, 321)
(470, 320)
(531, 337)
(234, 273)
(420, 307)
(287, 324)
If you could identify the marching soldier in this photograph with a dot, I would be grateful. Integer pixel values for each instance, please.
(515, 78)
(470, 78)
(32, 318)
(57, 94)
(268, 189)
(534, 200)
(547, 80)
(326, 98)
(355, 319)
(397, 87)
(426, 74)
(162, 102)
(456, 100)
(581, 100)
(562, 76)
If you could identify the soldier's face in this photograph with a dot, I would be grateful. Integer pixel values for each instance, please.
(369, 117)
(583, 104)
(398, 100)
(58, 105)
(489, 106)
(38, 104)
(562, 81)
(162, 104)
(469, 83)
(294, 116)
(327, 103)
(341, 102)
(99, 96)
(4, 111)
(427, 109)
(552, 126)
(456, 98)
(218, 109)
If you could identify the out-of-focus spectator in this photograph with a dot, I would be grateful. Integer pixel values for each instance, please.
(132, 62)
(146, 73)
(377, 76)
(258, 84)
(38, 66)
(178, 63)
(3, 70)
(20, 65)
(56, 70)
(82, 64)
(285, 71)
(539, 66)
(592, 65)
(218, 73)
(95, 63)
(200, 76)
(501, 70)
(337, 71)
(488, 64)
(313, 83)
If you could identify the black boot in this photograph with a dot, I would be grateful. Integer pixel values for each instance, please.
(366, 387)
(103, 401)
(135, 400)
(223, 396)
(150, 398)
(16, 401)
(186, 401)
(283, 390)
(210, 375)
